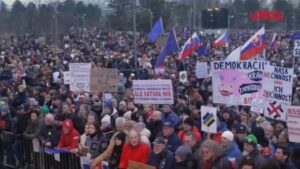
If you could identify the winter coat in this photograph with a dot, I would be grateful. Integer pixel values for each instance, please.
(195, 131)
(187, 164)
(70, 140)
(233, 152)
(140, 153)
(96, 145)
(33, 129)
(164, 160)
(50, 134)
(173, 142)
(155, 128)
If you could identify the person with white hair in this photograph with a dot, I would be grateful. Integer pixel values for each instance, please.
(49, 134)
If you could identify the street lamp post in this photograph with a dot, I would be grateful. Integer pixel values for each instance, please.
(134, 38)
(151, 18)
(229, 22)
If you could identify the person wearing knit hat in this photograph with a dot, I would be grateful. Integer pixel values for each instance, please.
(106, 124)
(182, 156)
(231, 149)
(108, 107)
(189, 126)
(251, 150)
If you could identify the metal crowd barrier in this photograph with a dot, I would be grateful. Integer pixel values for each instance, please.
(17, 152)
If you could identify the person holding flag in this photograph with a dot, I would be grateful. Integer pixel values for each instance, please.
(190, 46)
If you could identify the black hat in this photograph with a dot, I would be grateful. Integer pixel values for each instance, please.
(242, 129)
(189, 121)
(159, 140)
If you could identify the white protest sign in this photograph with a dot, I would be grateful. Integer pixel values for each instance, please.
(183, 76)
(67, 77)
(201, 70)
(278, 85)
(80, 77)
(209, 119)
(257, 105)
(153, 92)
(297, 48)
(237, 82)
(293, 123)
(55, 76)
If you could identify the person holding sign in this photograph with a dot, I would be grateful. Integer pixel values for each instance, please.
(134, 150)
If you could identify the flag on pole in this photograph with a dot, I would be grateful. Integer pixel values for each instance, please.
(273, 42)
(191, 45)
(203, 51)
(234, 55)
(255, 45)
(222, 40)
(156, 30)
(170, 47)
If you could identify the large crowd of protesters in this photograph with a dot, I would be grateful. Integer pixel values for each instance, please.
(35, 105)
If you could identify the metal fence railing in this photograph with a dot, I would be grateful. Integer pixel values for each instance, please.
(20, 153)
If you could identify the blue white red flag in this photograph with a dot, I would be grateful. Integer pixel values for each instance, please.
(190, 46)
(273, 42)
(255, 45)
(222, 40)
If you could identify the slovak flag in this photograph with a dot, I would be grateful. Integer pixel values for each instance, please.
(255, 45)
(222, 40)
(191, 45)
(273, 42)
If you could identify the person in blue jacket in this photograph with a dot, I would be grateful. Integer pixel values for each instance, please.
(231, 149)
(169, 115)
(168, 133)
(161, 157)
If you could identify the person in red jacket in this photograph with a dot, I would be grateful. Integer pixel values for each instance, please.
(188, 126)
(135, 150)
(70, 137)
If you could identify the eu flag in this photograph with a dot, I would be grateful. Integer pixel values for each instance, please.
(156, 30)
(296, 35)
(203, 51)
(170, 47)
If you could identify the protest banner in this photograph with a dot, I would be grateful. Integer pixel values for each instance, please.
(297, 48)
(80, 77)
(293, 123)
(183, 76)
(237, 82)
(67, 77)
(209, 119)
(278, 85)
(104, 80)
(257, 105)
(153, 92)
(201, 70)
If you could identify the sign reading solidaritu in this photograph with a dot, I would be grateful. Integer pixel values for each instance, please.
(293, 123)
(278, 85)
(237, 82)
(153, 92)
(80, 77)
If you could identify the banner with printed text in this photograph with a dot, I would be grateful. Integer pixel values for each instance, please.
(104, 80)
(80, 77)
(278, 86)
(153, 92)
(201, 70)
(237, 82)
(293, 123)
(209, 119)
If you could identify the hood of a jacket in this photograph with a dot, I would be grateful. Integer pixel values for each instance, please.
(69, 124)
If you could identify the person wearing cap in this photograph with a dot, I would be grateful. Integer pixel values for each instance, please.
(241, 133)
(251, 150)
(161, 157)
(189, 126)
(183, 156)
(212, 156)
(169, 115)
(134, 150)
(168, 133)
(231, 149)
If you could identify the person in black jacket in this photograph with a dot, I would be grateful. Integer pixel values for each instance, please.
(161, 157)
(49, 134)
(155, 125)
(183, 158)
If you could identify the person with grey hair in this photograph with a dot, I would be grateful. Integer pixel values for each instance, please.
(212, 156)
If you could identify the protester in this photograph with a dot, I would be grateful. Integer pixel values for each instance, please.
(246, 163)
(231, 149)
(182, 157)
(282, 156)
(191, 140)
(168, 133)
(49, 134)
(134, 150)
(34, 125)
(70, 137)
(161, 157)
(188, 126)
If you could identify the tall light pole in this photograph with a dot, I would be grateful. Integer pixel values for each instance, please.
(135, 3)
(229, 22)
(194, 15)
(151, 18)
